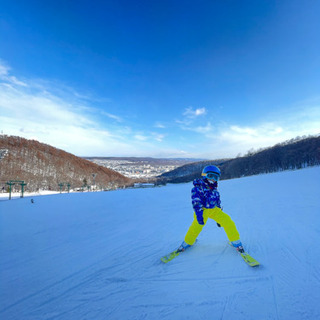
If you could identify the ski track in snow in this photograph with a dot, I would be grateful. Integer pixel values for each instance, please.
(97, 255)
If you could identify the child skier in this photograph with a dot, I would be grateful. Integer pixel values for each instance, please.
(206, 204)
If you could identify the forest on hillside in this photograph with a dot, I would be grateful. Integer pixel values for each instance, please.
(44, 167)
(290, 155)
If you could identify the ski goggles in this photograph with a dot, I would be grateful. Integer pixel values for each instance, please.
(212, 175)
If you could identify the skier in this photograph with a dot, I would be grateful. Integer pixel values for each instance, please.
(206, 204)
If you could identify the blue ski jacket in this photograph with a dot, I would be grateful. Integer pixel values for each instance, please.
(204, 196)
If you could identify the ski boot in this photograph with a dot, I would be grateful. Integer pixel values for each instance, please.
(238, 245)
(183, 247)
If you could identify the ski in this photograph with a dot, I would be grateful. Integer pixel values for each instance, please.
(170, 256)
(250, 261)
(176, 252)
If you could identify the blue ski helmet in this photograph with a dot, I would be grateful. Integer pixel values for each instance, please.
(211, 172)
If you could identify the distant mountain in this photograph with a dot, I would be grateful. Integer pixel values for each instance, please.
(44, 167)
(293, 154)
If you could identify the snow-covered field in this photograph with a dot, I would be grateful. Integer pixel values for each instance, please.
(96, 255)
(16, 195)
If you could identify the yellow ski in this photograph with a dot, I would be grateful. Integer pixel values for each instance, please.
(249, 260)
(170, 256)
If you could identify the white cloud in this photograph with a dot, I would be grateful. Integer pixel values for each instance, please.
(189, 117)
(159, 125)
(112, 116)
(3, 70)
(228, 140)
(261, 135)
(40, 110)
(234, 139)
(4, 75)
(193, 113)
(205, 129)
(57, 115)
(158, 137)
(140, 137)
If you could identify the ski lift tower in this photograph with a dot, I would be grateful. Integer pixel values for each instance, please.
(62, 184)
(12, 183)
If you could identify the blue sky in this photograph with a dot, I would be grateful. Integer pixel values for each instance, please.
(203, 79)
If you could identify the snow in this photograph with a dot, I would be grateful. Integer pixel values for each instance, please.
(97, 255)
(16, 195)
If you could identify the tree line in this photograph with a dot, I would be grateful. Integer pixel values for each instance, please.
(293, 154)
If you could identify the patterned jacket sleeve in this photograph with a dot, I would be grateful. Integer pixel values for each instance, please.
(218, 200)
(197, 195)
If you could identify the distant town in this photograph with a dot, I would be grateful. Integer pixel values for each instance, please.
(141, 168)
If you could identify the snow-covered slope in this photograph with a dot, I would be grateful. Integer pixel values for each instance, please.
(96, 255)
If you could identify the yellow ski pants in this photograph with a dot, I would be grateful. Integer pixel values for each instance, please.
(217, 215)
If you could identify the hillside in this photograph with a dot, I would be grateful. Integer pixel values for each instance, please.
(44, 167)
(87, 256)
(295, 154)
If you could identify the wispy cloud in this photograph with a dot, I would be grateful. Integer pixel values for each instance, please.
(159, 125)
(57, 115)
(189, 116)
(112, 116)
(158, 136)
(38, 109)
(220, 139)
(261, 135)
(230, 140)
(4, 75)
(190, 112)
(140, 137)
(301, 121)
